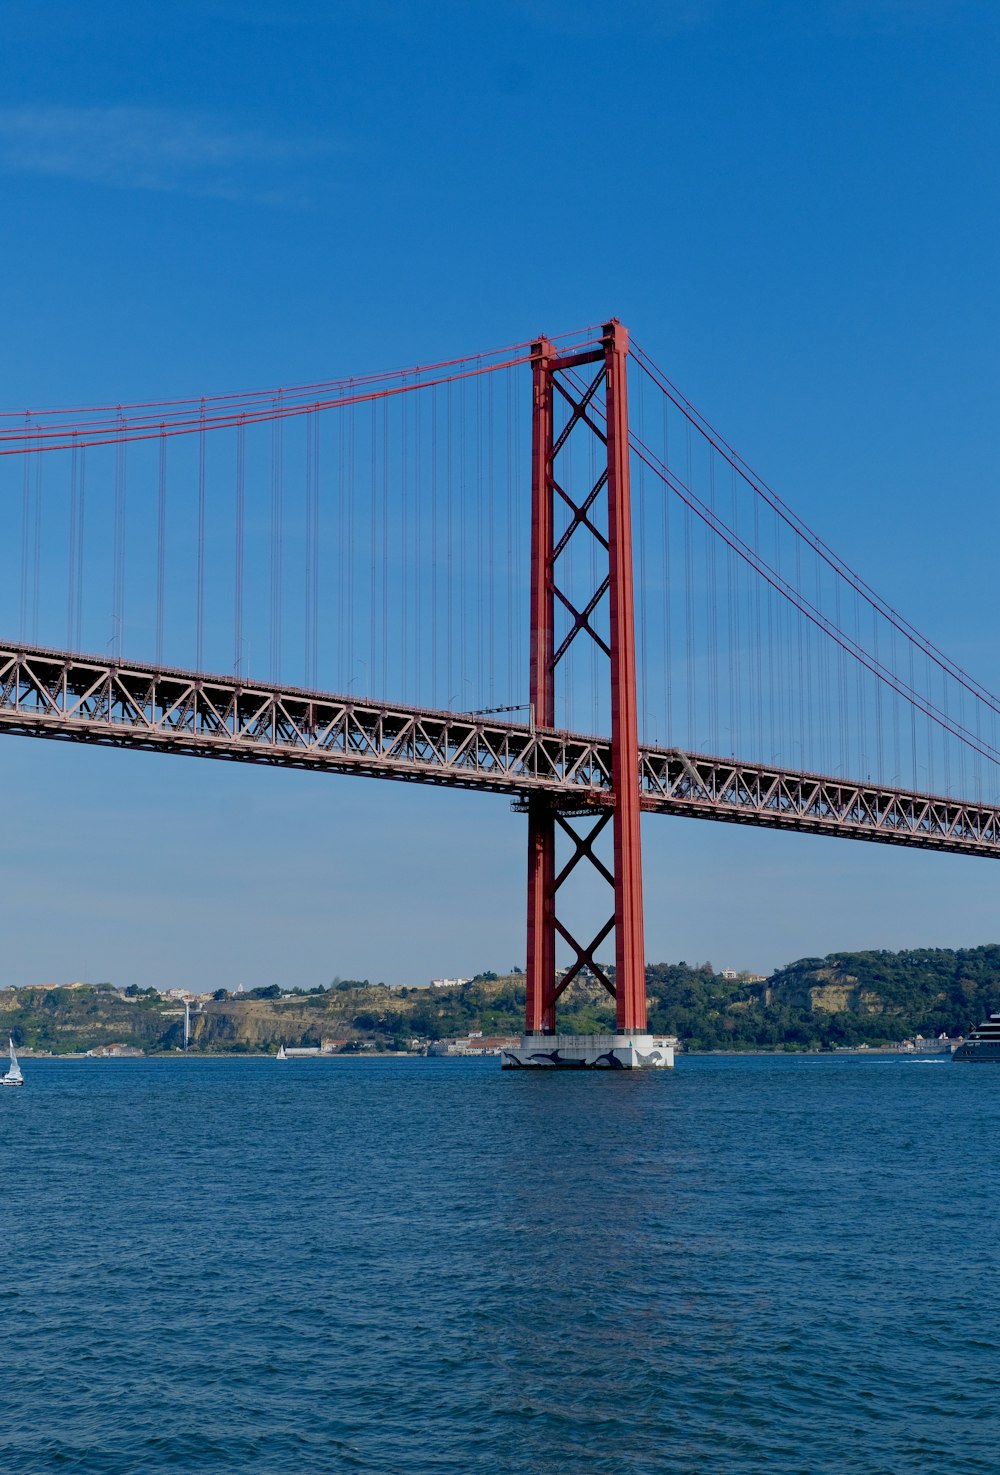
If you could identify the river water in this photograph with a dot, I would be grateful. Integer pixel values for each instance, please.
(743, 1265)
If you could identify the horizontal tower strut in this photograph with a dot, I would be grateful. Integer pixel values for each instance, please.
(121, 704)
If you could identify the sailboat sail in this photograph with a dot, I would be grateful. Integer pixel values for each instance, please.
(13, 1076)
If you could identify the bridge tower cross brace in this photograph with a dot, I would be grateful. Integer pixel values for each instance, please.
(577, 380)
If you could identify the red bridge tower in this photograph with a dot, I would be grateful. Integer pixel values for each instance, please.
(575, 381)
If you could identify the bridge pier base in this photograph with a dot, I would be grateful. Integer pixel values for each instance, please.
(631, 1051)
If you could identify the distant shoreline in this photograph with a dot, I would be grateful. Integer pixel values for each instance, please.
(841, 1050)
(178, 1055)
(221, 1055)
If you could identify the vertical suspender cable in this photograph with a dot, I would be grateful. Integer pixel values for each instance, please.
(72, 559)
(161, 537)
(816, 651)
(238, 664)
(880, 774)
(351, 658)
(978, 758)
(834, 751)
(945, 735)
(418, 543)
(200, 572)
(316, 543)
(80, 544)
(594, 582)
(384, 562)
(567, 581)
(800, 634)
(783, 723)
(37, 581)
(863, 755)
(404, 547)
(733, 613)
(342, 552)
(897, 757)
(434, 548)
(309, 622)
(307, 625)
(25, 523)
(713, 616)
(689, 630)
(775, 634)
(670, 735)
(842, 704)
(757, 707)
(915, 770)
(118, 615)
(519, 603)
(450, 585)
(277, 520)
(645, 700)
(491, 593)
(373, 549)
(930, 730)
(463, 622)
(512, 687)
(792, 618)
(480, 581)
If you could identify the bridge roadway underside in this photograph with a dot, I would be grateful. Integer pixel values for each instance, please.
(47, 693)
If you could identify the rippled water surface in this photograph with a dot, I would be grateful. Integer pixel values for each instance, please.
(769, 1264)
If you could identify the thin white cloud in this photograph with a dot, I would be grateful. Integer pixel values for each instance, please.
(156, 149)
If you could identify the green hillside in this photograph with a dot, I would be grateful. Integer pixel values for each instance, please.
(843, 999)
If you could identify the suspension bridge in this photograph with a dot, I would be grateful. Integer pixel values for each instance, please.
(537, 571)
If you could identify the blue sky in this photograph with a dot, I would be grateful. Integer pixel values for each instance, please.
(793, 207)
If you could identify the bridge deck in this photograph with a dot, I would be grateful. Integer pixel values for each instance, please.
(47, 693)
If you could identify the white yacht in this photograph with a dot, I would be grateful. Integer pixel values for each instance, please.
(982, 1045)
(13, 1076)
(281, 1053)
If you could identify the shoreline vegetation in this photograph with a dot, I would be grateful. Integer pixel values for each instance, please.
(843, 1001)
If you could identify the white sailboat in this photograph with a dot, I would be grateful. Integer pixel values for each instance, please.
(281, 1053)
(13, 1076)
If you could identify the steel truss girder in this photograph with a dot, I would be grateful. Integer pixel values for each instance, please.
(676, 782)
(45, 693)
(52, 694)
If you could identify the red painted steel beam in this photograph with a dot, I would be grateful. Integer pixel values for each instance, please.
(575, 360)
(630, 957)
(540, 995)
(626, 877)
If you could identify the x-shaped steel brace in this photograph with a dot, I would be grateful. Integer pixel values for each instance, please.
(581, 621)
(584, 955)
(579, 409)
(580, 515)
(584, 958)
(580, 518)
(584, 847)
